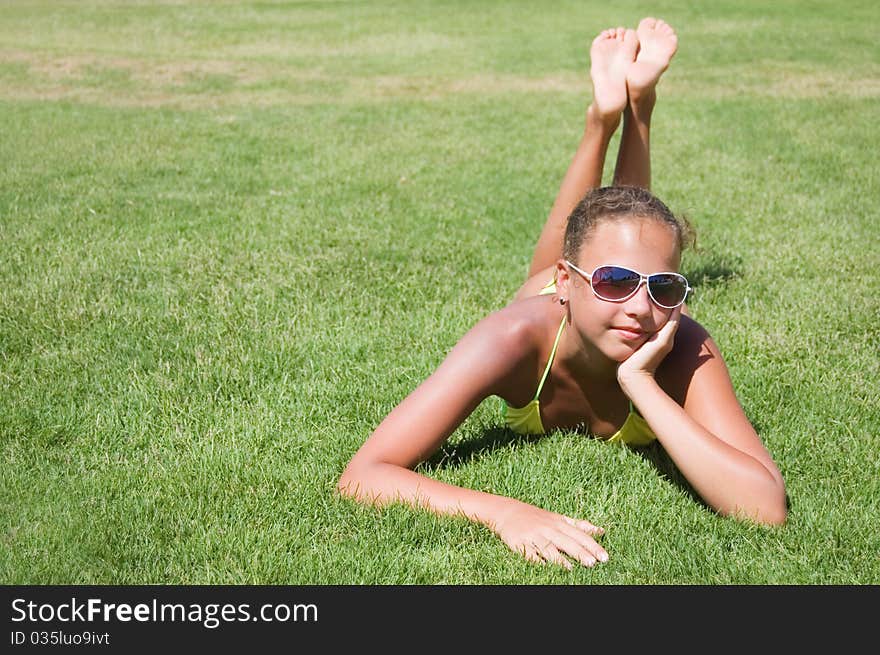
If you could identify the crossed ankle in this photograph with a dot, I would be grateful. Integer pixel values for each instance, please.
(607, 121)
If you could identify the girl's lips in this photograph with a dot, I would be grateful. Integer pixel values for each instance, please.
(628, 333)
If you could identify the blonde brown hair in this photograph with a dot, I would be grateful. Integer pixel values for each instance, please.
(617, 203)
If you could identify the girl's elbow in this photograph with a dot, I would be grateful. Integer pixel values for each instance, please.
(358, 478)
(771, 504)
(777, 512)
(771, 511)
(775, 508)
(350, 481)
(775, 515)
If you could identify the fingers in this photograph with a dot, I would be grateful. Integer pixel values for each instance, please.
(542, 536)
(586, 545)
(555, 548)
(672, 323)
(586, 526)
(664, 336)
(576, 549)
(569, 538)
(550, 553)
(530, 552)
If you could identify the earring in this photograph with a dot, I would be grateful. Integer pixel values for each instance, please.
(562, 301)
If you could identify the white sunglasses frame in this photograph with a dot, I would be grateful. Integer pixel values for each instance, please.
(642, 279)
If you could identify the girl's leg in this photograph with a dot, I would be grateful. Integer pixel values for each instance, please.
(611, 55)
(657, 44)
(633, 166)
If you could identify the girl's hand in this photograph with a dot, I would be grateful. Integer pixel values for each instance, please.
(542, 536)
(647, 357)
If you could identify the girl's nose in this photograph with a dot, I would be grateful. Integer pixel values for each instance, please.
(640, 303)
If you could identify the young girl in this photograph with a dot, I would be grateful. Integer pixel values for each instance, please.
(595, 339)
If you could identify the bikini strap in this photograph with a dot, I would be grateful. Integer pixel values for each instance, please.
(550, 360)
(634, 410)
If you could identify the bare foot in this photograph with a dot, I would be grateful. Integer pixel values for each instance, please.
(657, 44)
(611, 55)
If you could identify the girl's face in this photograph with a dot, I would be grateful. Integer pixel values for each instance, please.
(617, 329)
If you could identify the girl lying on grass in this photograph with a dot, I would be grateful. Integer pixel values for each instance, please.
(595, 340)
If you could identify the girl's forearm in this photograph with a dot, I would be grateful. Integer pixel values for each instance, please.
(381, 484)
(730, 480)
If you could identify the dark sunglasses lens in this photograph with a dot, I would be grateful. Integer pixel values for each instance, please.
(667, 290)
(614, 282)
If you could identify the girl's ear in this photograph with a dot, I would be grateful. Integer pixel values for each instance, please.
(563, 280)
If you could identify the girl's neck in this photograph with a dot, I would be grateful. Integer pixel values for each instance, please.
(583, 359)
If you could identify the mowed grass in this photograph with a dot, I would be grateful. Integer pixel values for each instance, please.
(236, 235)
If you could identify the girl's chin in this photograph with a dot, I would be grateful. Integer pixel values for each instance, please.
(620, 351)
(617, 352)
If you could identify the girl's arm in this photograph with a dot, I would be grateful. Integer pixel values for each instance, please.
(380, 472)
(708, 436)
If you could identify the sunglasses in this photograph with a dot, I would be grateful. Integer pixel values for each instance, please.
(618, 283)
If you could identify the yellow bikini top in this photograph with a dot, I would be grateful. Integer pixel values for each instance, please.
(635, 431)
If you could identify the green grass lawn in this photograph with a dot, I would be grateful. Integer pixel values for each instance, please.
(235, 235)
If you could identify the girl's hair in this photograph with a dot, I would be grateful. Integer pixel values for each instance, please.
(616, 203)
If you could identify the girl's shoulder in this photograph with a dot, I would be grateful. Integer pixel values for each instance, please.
(526, 323)
(522, 334)
(693, 348)
(690, 334)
